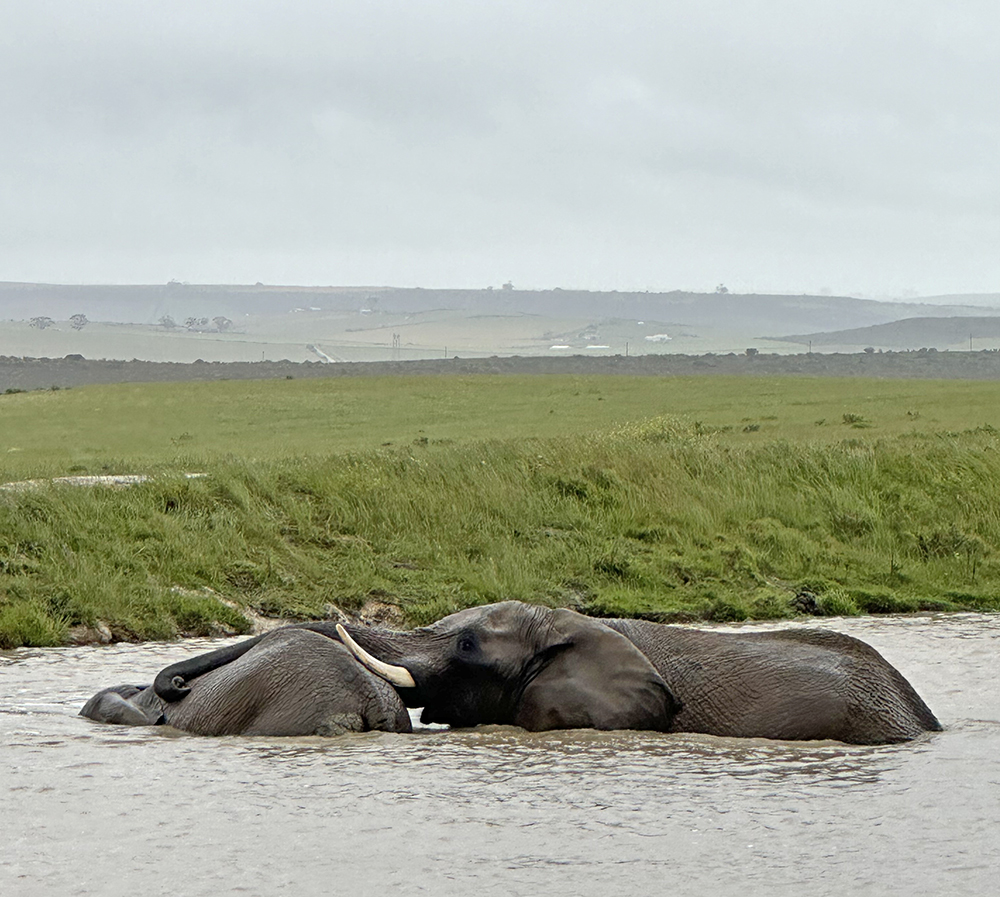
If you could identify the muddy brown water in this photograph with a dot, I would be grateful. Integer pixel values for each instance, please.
(93, 809)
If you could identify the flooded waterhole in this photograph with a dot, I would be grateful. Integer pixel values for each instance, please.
(87, 808)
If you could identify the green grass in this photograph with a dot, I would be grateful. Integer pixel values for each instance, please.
(631, 496)
(118, 428)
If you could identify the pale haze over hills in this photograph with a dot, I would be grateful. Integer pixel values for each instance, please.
(185, 322)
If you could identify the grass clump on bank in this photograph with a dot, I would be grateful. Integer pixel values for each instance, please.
(664, 518)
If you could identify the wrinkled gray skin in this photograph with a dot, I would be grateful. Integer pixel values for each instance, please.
(517, 664)
(293, 681)
(544, 669)
(525, 666)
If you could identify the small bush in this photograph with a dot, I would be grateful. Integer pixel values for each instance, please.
(30, 626)
(882, 602)
(724, 610)
(202, 616)
(856, 421)
(769, 605)
(837, 603)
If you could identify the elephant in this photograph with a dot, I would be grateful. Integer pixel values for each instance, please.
(291, 681)
(539, 668)
(543, 669)
(567, 672)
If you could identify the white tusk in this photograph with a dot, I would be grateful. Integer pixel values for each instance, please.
(398, 676)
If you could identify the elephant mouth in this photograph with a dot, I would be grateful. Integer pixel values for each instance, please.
(398, 676)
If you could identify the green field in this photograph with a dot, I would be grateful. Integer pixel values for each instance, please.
(672, 498)
(129, 427)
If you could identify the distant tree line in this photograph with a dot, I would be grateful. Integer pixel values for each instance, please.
(220, 322)
(42, 322)
(78, 321)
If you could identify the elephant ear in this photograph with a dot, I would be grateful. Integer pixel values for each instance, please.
(592, 677)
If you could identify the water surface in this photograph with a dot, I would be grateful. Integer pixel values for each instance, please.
(88, 809)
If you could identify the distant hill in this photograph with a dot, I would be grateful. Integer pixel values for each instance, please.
(909, 333)
(147, 303)
(987, 299)
(752, 314)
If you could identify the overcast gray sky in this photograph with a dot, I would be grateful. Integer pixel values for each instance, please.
(771, 145)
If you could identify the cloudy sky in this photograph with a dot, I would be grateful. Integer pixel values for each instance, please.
(773, 145)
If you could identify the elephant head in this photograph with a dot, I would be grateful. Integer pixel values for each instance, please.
(292, 681)
(517, 664)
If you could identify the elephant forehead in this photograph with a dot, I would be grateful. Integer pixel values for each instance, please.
(503, 617)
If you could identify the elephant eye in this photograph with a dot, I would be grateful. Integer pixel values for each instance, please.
(466, 644)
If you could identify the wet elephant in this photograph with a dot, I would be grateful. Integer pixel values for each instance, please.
(556, 670)
(293, 681)
(542, 669)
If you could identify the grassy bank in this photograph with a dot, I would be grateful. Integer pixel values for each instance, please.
(666, 517)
